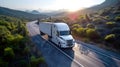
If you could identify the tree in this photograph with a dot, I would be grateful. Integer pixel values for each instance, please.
(3, 34)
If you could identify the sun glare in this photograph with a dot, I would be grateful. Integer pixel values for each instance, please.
(73, 9)
(72, 5)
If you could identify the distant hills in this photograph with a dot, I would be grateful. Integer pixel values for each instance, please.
(48, 12)
(20, 14)
(33, 12)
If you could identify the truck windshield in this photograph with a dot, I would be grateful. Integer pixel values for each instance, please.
(64, 32)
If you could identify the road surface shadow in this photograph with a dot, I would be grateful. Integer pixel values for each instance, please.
(53, 57)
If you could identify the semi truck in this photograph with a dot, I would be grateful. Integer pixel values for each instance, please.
(59, 33)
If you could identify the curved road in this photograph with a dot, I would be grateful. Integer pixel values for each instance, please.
(81, 55)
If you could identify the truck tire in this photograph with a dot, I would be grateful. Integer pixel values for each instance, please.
(41, 33)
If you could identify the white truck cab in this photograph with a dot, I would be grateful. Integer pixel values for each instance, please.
(59, 33)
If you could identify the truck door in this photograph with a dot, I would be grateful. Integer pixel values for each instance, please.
(54, 34)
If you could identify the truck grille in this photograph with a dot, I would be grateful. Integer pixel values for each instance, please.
(69, 42)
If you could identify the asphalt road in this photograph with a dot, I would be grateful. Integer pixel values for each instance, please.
(81, 55)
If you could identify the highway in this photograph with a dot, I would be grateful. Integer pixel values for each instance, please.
(81, 55)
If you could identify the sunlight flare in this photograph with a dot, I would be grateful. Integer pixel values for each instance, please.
(72, 5)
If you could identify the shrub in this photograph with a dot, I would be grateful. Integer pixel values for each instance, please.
(92, 34)
(97, 20)
(117, 18)
(35, 61)
(76, 26)
(74, 30)
(26, 50)
(110, 38)
(110, 24)
(41, 60)
(107, 17)
(81, 32)
(23, 63)
(90, 26)
(9, 53)
(3, 63)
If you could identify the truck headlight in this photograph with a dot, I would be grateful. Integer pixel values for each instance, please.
(73, 41)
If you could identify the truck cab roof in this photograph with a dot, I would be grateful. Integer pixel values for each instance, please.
(61, 26)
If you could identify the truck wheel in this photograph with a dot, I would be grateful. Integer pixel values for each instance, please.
(49, 38)
(41, 33)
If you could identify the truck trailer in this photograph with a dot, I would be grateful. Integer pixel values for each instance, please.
(59, 33)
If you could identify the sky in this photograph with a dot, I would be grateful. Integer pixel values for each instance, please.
(71, 5)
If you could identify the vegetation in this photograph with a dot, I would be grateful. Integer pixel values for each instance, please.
(13, 44)
(110, 24)
(117, 18)
(102, 28)
(90, 26)
(92, 34)
(110, 38)
(36, 61)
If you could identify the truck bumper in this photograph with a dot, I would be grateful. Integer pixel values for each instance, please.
(65, 46)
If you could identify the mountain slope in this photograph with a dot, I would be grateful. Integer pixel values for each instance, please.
(20, 14)
(105, 4)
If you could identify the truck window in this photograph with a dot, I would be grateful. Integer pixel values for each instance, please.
(64, 32)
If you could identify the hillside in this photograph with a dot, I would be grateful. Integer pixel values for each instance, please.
(20, 14)
(105, 4)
